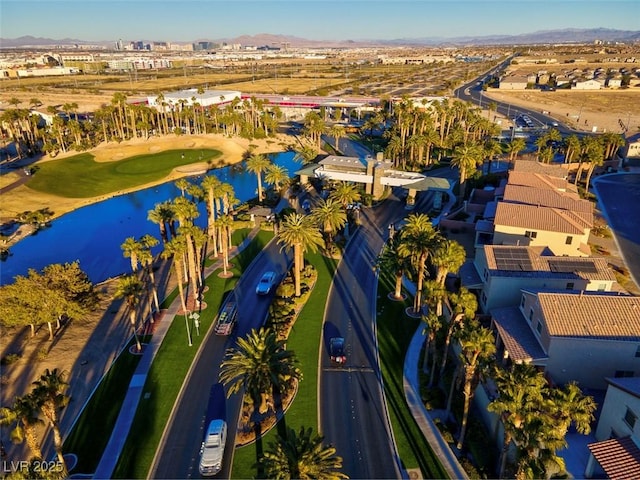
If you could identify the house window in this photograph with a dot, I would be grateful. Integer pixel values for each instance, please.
(570, 285)
(531, 234)
(638, 352)
(484, 298)
(531, 314)
(539, 328)
(569, 240)
(486, 275)
(630, 418)
(522, 302)
(602, 287)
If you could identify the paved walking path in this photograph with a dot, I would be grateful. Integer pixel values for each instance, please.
(127, 413)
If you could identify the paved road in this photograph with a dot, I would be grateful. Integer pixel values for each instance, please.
(353, 415)
(179, 453)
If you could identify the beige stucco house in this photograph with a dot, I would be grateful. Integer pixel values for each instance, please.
(504, 271)
(616, 453)
(574, 336)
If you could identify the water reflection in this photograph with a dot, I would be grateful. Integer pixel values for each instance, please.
(93, 234)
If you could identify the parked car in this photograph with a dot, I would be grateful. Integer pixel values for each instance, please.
(265, 283)
(336, 350)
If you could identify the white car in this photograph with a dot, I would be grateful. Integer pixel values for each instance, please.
(265, 283)
(212, 450)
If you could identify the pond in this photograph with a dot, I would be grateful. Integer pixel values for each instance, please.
(93, 234)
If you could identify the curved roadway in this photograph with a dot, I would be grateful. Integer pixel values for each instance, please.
(178, 454)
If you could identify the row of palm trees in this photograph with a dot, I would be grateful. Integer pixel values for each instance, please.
(40, 405)
(120, 120)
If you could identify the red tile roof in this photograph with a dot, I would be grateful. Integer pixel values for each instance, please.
(619, 458)
(542, 218)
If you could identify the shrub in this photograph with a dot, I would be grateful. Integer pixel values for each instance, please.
(10, 359)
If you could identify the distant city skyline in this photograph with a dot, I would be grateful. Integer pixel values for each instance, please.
(187, 21)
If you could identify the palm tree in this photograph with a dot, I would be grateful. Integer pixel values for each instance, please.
(519, 390)
(418, 240)
(330, 217)
(259, 365)
(131, 249)
(182, 184)
(176, 248)
(302, 456)
(478, 346)
(391, 259)
(306, 154)
(186, 211)
(337, 132)
(147, 242)
(24, 416)
(49, 392)
(467, 158)
(514, 147)
(448, 258)
(345, 193)
(258, 164)
(465, 305)
(572, 147)
(130, 288)
(432, 325)
(276, 176)
(299, 233)
(162, 214)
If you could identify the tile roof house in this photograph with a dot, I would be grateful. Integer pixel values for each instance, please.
(532, 166)
(616, 453)
(565, 232)
(584, 337)
(505, 270)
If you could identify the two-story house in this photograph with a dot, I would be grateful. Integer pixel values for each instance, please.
(616, 454)
(574, 336)
(504, 271)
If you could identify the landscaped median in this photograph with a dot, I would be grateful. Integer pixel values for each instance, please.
(304, 339)
(395, 330)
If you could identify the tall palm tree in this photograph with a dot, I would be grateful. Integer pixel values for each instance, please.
(448, 258)
(258, 164)
(514, 147)
(418, 240)
(465, 305)
(211, 185)
(520, 389)
(276, 176)
(146, 259)
(24, 417)
(330, 217)
(432, 325)
(131, 249)
(306, 154)
(466, 157)
(302, 456)
(337, 132)
(299, 233)
(259, 365)
(49, 392)
(391, 259)
(175, 249)
(186, 211)
(345, 193)
(162, 215)
(131, 289)
(478, 346)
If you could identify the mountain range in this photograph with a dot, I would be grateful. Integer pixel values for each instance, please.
(569, 35)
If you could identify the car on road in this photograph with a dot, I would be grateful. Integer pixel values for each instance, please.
(212, 450)
(265, 283)
(336, 350)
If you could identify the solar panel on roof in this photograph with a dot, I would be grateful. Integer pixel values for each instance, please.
(515, 259)
(570, 266)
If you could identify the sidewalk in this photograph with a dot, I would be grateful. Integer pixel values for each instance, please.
(127, 413)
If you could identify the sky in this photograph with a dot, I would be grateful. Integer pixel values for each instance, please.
(190, 20)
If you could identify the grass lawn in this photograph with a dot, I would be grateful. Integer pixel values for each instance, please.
(168, 372)
(92, 431)
(304, 339)
(81, 176)
(395, 331)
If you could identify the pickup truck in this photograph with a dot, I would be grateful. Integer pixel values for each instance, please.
(215, 436)
(226, 321)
